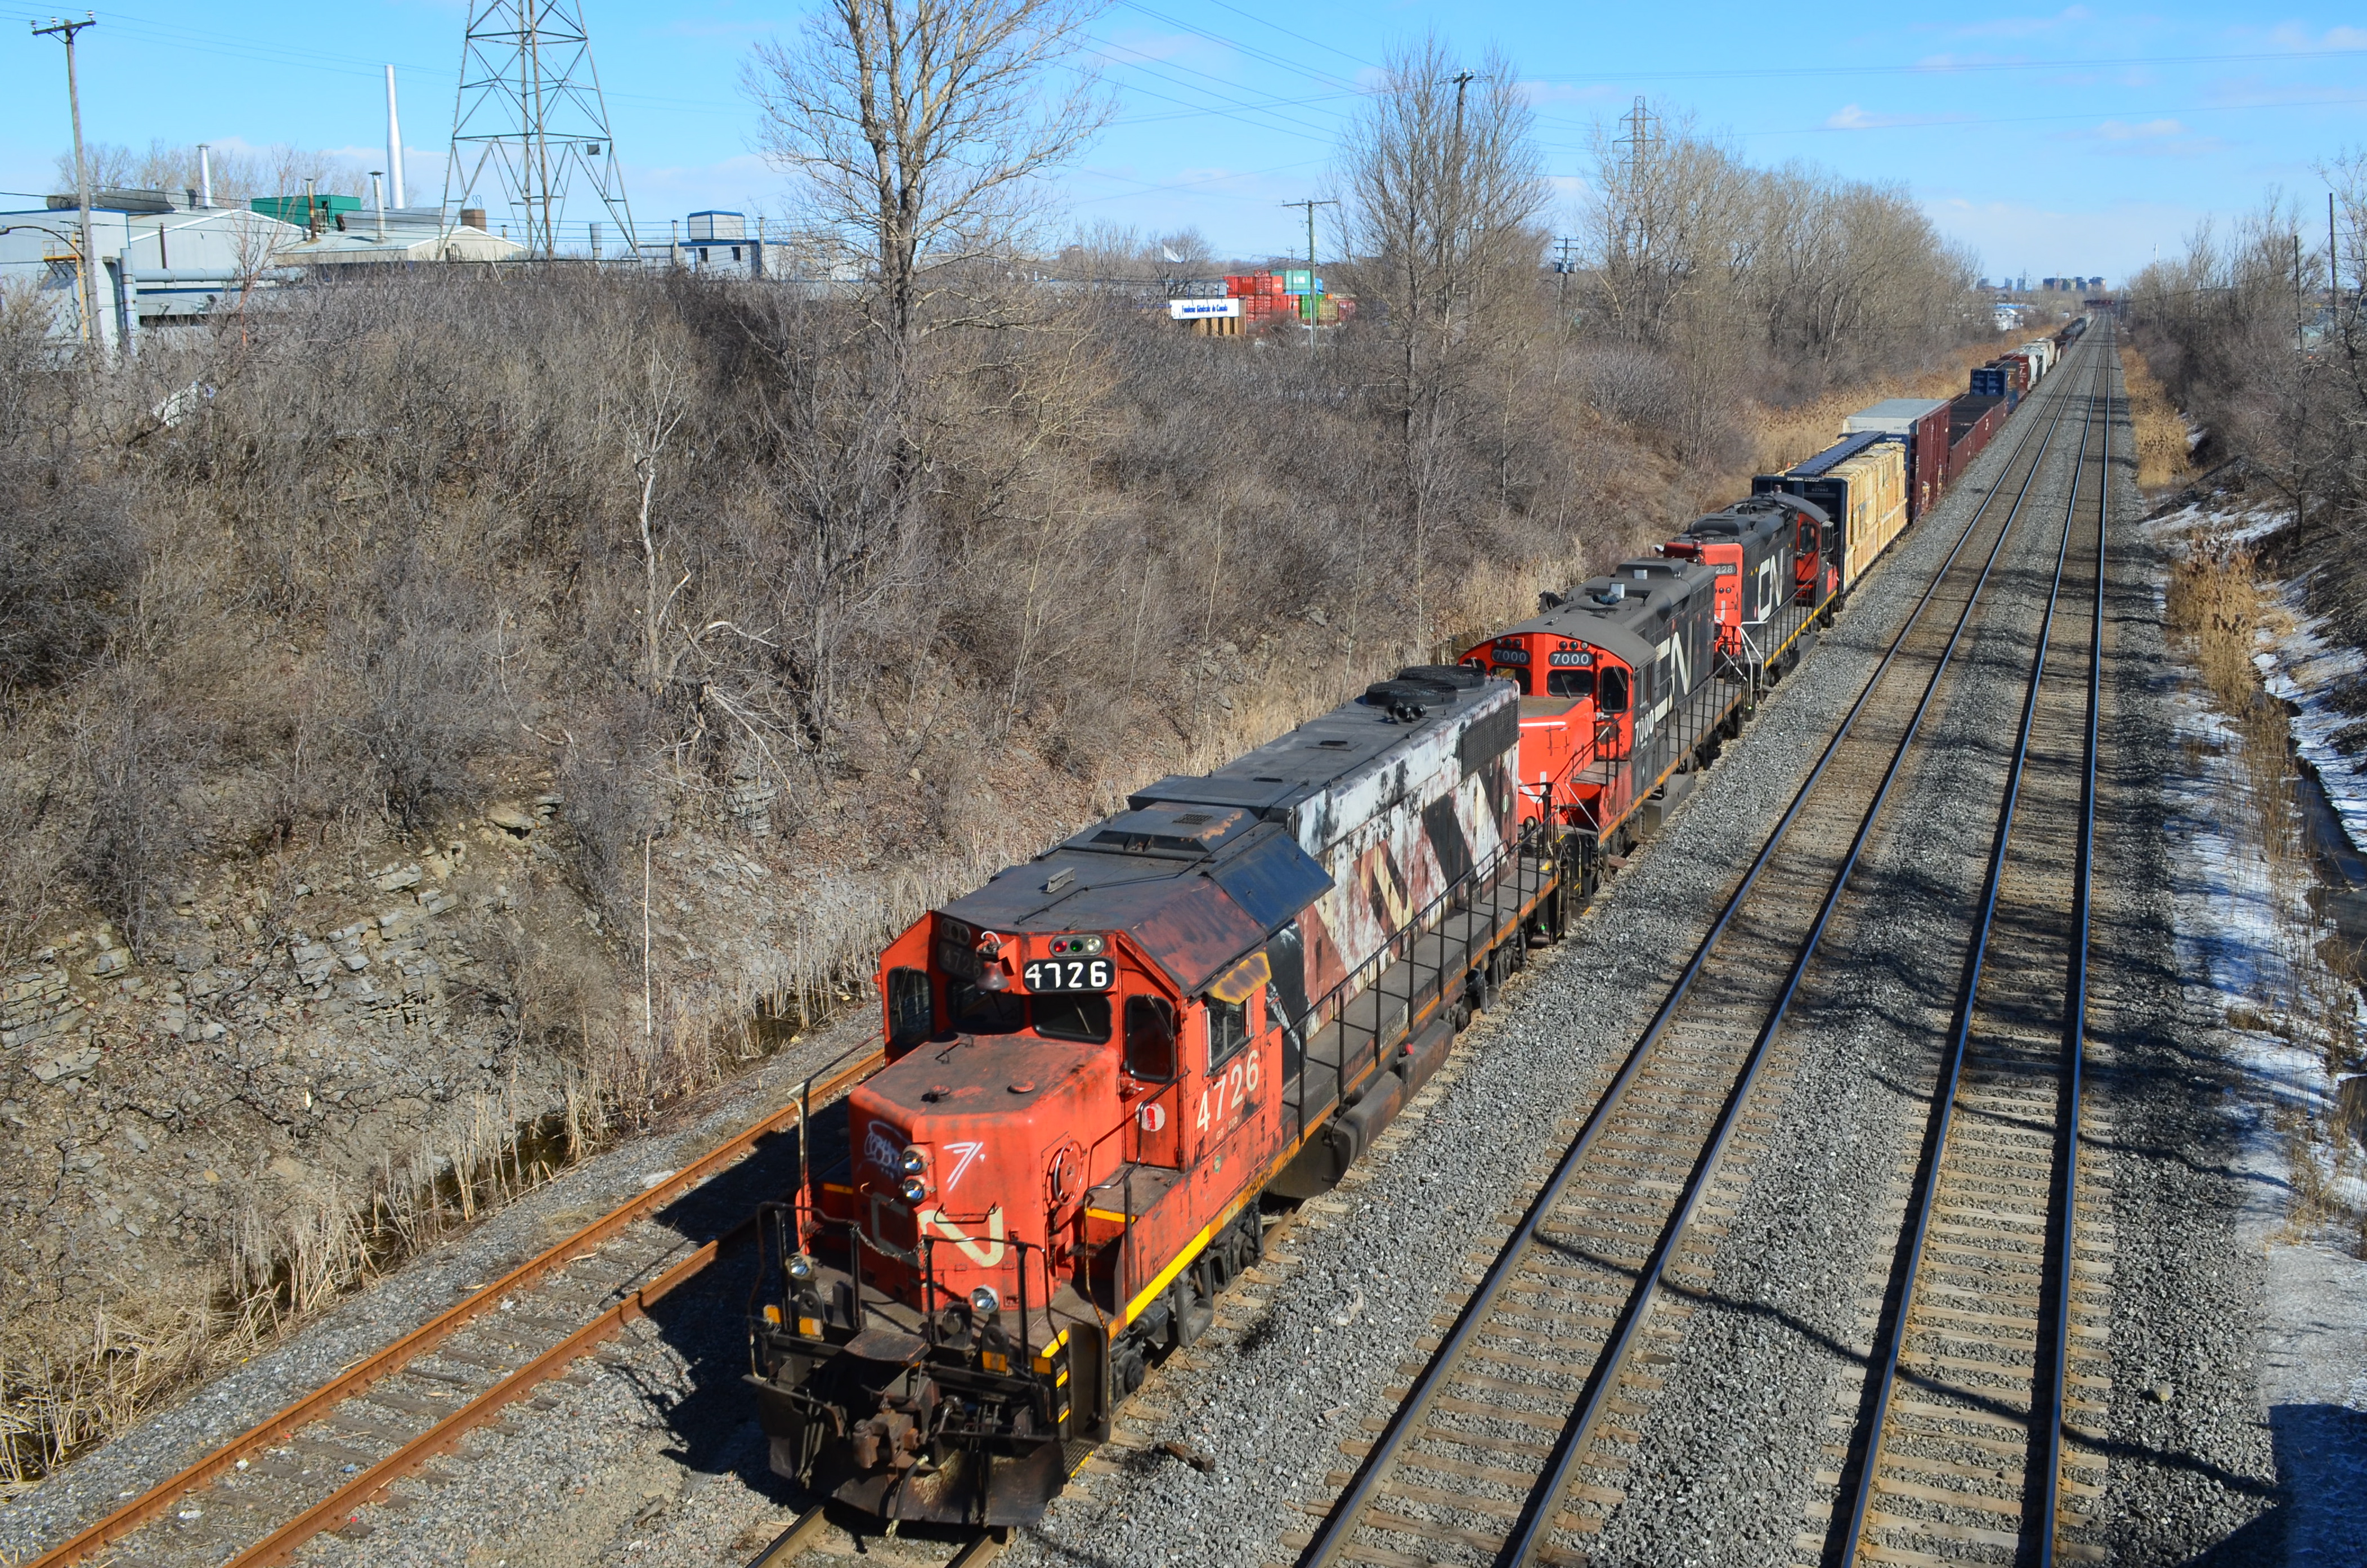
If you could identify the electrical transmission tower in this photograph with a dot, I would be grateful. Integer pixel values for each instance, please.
(530, 113)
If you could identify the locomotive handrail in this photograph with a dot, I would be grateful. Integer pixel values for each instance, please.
(1405, 944)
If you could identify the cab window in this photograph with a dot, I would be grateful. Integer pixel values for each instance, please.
(1149, 1038)
(1569, 683)
(910, 1015)
(1614, 691)
(985, 1012)
(1076, 1014)
(1519, 678)
(1229, 1029)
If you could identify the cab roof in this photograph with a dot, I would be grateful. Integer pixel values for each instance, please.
(1625, 614)
(1200, 869)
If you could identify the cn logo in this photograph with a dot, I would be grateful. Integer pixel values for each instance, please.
(1152, 1116)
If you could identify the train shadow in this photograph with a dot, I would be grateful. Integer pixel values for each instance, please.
(2313, 1516)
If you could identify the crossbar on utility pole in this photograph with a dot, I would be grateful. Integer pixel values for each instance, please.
(1314, 300)
(89, 258)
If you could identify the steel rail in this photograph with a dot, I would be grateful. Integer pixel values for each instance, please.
(1944, 1097)
(422, 1340)
(1537, 1523)
(2057, 1352)
(801, 1536)
(1339, 1524)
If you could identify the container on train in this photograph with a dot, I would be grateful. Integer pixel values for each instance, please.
(2040, 354)
(1861, 484)
(1971, 422)
(1991, 381)
(1922, 424)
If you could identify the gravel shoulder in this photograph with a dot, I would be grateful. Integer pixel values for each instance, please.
(180, 1435)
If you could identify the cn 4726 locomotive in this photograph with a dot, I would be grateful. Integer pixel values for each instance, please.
(1100, 1060)
(1099, 1063)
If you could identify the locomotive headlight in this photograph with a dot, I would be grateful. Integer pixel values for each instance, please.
(984, 1301)
(914, 1189)
(800, 1268)
(911, 1161)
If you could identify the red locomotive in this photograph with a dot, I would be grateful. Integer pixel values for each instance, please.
(1097, 1063)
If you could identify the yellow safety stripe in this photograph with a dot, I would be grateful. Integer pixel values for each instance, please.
(1199, 1244)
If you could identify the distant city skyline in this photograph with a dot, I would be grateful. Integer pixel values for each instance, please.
(2076, 141)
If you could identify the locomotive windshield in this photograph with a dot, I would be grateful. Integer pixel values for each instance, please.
(1079, 1015)
(1569, 683)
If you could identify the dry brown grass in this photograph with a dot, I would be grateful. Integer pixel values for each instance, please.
(2162, 451)
(292, 1255)
(2216, 609)
(1782, 436)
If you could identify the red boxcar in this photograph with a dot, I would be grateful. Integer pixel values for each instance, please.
(1922, 424)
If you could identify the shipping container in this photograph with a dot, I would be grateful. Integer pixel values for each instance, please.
(1922, 424)
(1861, 483)
(1991, 381)
(1972, 421)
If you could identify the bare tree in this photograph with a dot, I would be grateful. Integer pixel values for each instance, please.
(918, 129)
(1442, 187)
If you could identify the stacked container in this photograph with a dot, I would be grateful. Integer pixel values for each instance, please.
(1861, 483)
(1921, 423)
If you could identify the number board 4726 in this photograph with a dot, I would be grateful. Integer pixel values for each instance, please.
(1070, 974)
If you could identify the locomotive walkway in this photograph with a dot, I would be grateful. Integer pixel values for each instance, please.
(1514, 1442)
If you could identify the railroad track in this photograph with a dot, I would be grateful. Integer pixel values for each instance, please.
(1513, 1442)
(311, 1466)
(1989, 1317)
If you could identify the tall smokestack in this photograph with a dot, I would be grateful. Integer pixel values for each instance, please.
(393, 140)
(205, 175)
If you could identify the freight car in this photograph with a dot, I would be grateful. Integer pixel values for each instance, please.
(1922, 424)
(1861, 484)
(1972, 420)
(1101, 1058)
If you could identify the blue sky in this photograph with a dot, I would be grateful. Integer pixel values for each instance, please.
(2049, 141)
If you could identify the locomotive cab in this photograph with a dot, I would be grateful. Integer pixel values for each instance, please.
(1751, 551)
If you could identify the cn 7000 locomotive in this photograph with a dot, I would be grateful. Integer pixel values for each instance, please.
(1100, 1060)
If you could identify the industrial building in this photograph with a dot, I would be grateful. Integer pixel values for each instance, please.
(159, 255)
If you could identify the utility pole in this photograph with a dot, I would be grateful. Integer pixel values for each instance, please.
(1314, 300)
(1561, 273)
(89, 259)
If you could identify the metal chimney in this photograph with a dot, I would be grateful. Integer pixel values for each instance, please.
(205, 175)
(393, 140)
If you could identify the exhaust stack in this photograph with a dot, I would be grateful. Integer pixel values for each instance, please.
(393, 140)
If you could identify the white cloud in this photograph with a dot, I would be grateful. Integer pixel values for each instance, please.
(2025, 27)
(2293, 36)
(1851, 117)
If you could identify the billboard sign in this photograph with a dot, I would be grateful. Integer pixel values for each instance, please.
(1198, 309)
